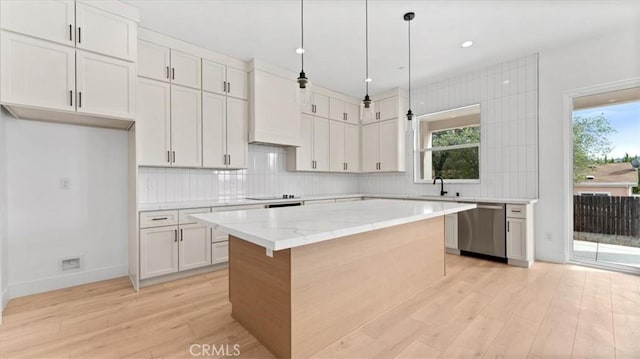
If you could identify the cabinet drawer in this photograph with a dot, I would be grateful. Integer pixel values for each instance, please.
(183, 214)
(158, 219)
(516, 211)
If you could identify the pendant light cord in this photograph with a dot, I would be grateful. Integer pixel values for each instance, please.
(409, 23)
(366, 34)
(302, 33)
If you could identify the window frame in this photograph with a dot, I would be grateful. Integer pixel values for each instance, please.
(440, 116)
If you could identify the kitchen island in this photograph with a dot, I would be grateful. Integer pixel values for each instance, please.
(302, 277)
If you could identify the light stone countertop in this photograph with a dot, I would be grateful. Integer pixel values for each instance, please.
(143, 207)
(289, 227)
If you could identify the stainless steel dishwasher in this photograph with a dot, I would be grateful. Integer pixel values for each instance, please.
(481, 231)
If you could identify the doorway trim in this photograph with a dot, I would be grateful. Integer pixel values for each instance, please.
(567, 174)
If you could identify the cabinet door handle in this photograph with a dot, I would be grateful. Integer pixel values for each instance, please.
(228, 87)
(169, 156)
(181, 235)
(508, 226)
(175, 235)
(224, 86)
(346, 166)
(167, 71)
(224, 159)
(173, 73)
(79, 34)
(79, 99)
(71, 98)
(174, 156)
(70, 32)
(229, 161)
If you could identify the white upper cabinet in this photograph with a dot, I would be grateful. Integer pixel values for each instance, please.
(382, 147)
(318, 106)
(224, 131)
(352, 148)
(370, 147)
(37, 72)
(387, 108)
(214, 77)
(185, 69)
(214, 118)
(314, 153)
(221, 79)
(236, 128)
(344, 141)
(389, 146)
(340, 110)
(337, 161)
(72, 56)
(105, 33)
(154, 61)
(105, 86)
(52, 20)
(237, 83)
(321, 144)
(186, 127)
(153, 123)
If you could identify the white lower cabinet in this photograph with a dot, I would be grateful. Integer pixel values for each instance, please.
(516, 234)
(158, 251)
(520, 241)
(220, 252)
(195, 246)
(167, 247)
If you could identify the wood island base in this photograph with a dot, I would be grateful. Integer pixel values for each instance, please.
(304, 298)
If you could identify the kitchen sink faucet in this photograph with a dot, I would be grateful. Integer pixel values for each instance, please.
(442, 191)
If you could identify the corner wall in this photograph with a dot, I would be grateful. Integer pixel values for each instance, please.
(606, 58)
(49, 223)
(4, 293)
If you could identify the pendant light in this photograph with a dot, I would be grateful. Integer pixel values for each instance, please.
(303, 95)
(367, 105)
(408, 17)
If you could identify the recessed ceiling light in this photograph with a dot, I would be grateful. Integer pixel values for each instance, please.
(467, 43)
(506, 82)
(368, 79)
(300, 51)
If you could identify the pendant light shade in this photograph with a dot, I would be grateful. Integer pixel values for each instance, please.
(408, 17)
(367, 104)
(303, 93)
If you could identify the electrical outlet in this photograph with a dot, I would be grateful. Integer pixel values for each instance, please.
(65, 183)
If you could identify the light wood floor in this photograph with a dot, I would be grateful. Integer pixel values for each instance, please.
(481, 309)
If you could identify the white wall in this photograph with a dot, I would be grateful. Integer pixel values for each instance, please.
(595, 60)
(266, 175)
(508, 126)
(47, 223)
(4, 294)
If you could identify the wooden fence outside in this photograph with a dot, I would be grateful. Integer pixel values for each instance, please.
(607, 215)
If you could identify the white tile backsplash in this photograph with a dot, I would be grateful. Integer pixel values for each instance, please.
(509, 150)
(265, 176)
(509, 130)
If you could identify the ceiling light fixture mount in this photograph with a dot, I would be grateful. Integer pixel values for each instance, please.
(466, 44)
(408, 17)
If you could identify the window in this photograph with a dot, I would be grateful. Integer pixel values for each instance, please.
(448, 145)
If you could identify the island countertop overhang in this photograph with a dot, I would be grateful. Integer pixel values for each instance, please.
(290, 227)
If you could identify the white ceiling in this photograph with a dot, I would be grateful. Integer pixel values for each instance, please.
(334, 33)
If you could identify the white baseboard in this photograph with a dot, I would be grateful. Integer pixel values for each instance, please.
(68, 280)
